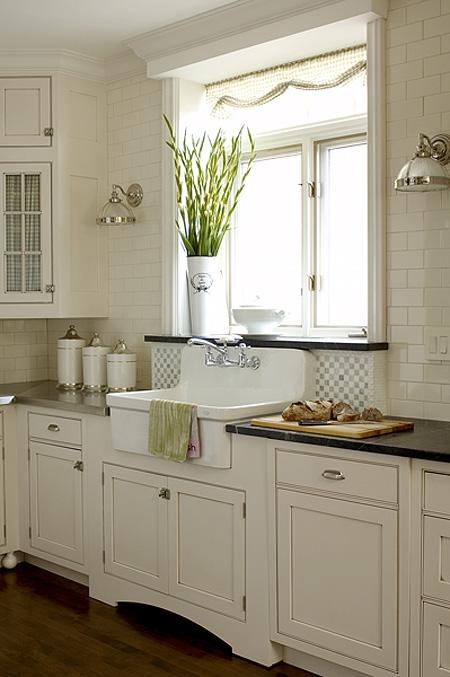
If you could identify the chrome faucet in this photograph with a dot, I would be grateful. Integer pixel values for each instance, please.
(222, 359)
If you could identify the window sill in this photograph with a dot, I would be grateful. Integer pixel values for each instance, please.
(299, 342)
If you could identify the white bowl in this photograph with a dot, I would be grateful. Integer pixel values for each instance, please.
(258, 320)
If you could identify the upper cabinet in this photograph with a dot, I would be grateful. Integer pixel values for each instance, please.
(25, 112)
(53, 180)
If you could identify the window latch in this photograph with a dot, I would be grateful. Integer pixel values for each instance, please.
(311, 282)
(312, 188)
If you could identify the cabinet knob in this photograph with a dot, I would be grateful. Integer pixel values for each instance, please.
(333, 475)
(53, 428)
(78, 465)
(164, 493)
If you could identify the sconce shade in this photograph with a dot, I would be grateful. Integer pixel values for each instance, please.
(115, 211)
(425, 170)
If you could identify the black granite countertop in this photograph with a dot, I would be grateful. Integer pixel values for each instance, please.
(46, 394)
(266, 341)
(429, 440)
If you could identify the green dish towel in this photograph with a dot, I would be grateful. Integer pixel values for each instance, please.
(170, 429)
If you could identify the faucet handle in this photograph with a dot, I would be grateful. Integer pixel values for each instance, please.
(229, 340)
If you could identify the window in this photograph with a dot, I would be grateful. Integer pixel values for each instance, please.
(340, 299)
(267, 236)
(299, 240)
(356, 110)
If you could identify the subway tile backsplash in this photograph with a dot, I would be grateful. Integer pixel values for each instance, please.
(23, 350)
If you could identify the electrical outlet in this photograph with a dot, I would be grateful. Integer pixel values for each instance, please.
(437, 343)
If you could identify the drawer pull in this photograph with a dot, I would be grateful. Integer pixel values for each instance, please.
(53, 428)
(333, 475)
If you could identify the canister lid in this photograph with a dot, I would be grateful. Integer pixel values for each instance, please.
(120, 348)
(95, 341)
(71, 333)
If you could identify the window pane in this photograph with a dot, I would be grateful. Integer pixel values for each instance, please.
(32, 192)
(342, 236)
(266, 252)
(32, 232)
(33, 272)
(13, 192)
(13, 232)
(13, 272)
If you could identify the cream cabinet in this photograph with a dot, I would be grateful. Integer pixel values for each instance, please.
(430, 641)
(54, 255)
(338, 568)
(55, 488)
(25, 111)
(176, 536)
(9, 504)
(3, 530)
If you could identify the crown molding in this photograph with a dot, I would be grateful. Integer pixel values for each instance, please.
(240, 25)
(45, 61)
(123, 65)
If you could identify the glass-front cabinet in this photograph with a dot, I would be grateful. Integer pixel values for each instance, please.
(26, 275)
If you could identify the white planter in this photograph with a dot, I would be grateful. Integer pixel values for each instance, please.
(207, 297)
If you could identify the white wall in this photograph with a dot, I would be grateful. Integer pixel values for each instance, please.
(418, 239)
(134, 155)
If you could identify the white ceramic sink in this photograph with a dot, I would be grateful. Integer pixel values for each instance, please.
(222, 394)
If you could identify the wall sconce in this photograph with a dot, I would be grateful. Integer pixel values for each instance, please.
(115, 211)
(425, 170)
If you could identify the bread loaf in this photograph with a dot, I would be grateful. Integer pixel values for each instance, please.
(371, 414)
(308, 410)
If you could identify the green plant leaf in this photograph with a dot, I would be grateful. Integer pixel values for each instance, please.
(207, 186)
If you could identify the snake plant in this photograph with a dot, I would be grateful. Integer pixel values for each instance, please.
(208, 185)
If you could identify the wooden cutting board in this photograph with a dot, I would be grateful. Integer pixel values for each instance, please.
(334, 428)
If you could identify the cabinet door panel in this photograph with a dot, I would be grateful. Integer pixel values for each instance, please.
(2, 496)
(56, 501)
(337, 576)
(436, 641)
(135, 526)
(25, 204)
(25, 111)
(207, 546)
(436, 562)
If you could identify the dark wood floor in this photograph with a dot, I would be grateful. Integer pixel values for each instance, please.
(50, 628)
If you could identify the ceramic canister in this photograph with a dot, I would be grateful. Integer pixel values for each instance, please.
(69, 360)
(121, 368)
(94, 365)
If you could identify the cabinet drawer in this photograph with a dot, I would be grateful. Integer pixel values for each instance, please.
(339, 476)
(437, 492)
(55, 428)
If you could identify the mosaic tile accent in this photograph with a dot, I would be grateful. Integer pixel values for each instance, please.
(165, 364)
(355, 377)
(359, 378)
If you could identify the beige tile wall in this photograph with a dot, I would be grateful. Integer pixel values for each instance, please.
(418, 238)
(23, 350)
(134, 155)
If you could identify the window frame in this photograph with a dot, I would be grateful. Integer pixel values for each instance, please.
(307, 138)
(181, 101)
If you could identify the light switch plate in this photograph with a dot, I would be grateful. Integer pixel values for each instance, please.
(437, 343)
